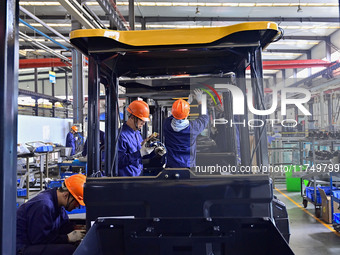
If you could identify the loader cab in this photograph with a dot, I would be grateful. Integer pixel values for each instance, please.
(166, 64)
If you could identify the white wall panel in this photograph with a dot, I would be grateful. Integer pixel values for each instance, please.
(33, 128)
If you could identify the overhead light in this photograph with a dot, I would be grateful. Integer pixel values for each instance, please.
(288, 54)
(22, 52)
(310, 27)
(247, 4)
(39, 3)
(48, 24)
(299, 42)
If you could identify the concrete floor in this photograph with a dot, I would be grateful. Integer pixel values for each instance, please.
(308, 235)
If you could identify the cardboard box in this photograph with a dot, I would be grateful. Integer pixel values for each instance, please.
(326, 210)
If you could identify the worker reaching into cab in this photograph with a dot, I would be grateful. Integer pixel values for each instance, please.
(71, 139)
(131, 147)
(180, 134)
(43, 226)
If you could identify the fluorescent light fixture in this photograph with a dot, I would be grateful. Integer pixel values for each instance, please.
(39, 3)
(310, 27)
(147, 4)
(281, 54)
(39, 51)
(264, 4)
(331, 4)
(283, 4)
(43, 40)
(315, 4)
(96, 3)
(299, 42)
(163, 4)
(246, 4)
(22, 52)
(49, 24)
(213, 4)
(181, 4)
(229, 4)
(264, 72)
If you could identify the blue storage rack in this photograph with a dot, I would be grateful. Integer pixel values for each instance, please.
(310, 193)
(46, 148)
(336, 218)
(336, 194)
(335, 197)
(54, 184)
(21, 192)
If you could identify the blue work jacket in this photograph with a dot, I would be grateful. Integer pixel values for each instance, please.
(181, 145)
(101, 145)
(129, 157)
(41, 221)
(71, 142)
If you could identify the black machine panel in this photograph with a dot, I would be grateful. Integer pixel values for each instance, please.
(178, 212)
(183, 236)
(281, 218)
(177, 193)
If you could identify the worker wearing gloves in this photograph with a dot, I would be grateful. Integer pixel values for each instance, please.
(131, 147)
(43, 226)
(180, 134)
(71, 139)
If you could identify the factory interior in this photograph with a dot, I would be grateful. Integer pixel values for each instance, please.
(170, 127)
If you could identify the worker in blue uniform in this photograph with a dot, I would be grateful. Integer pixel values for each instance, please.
(101, 144)
(43, 226)
(71, 139)
(131, 147)
(180, 134)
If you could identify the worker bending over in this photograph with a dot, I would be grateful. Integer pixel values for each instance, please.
(43, 226)
(131, 147)
(180, 134)
(71, 139)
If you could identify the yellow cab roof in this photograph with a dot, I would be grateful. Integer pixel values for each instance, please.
(145, 53)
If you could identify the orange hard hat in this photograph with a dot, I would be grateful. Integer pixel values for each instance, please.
(75, 185)
(74, 128)
(140, 109)
(180, 109)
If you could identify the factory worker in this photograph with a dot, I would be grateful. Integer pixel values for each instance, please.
(101, 144)
(180, 134)
(43, 226)
(131, 147)
(71, 139)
